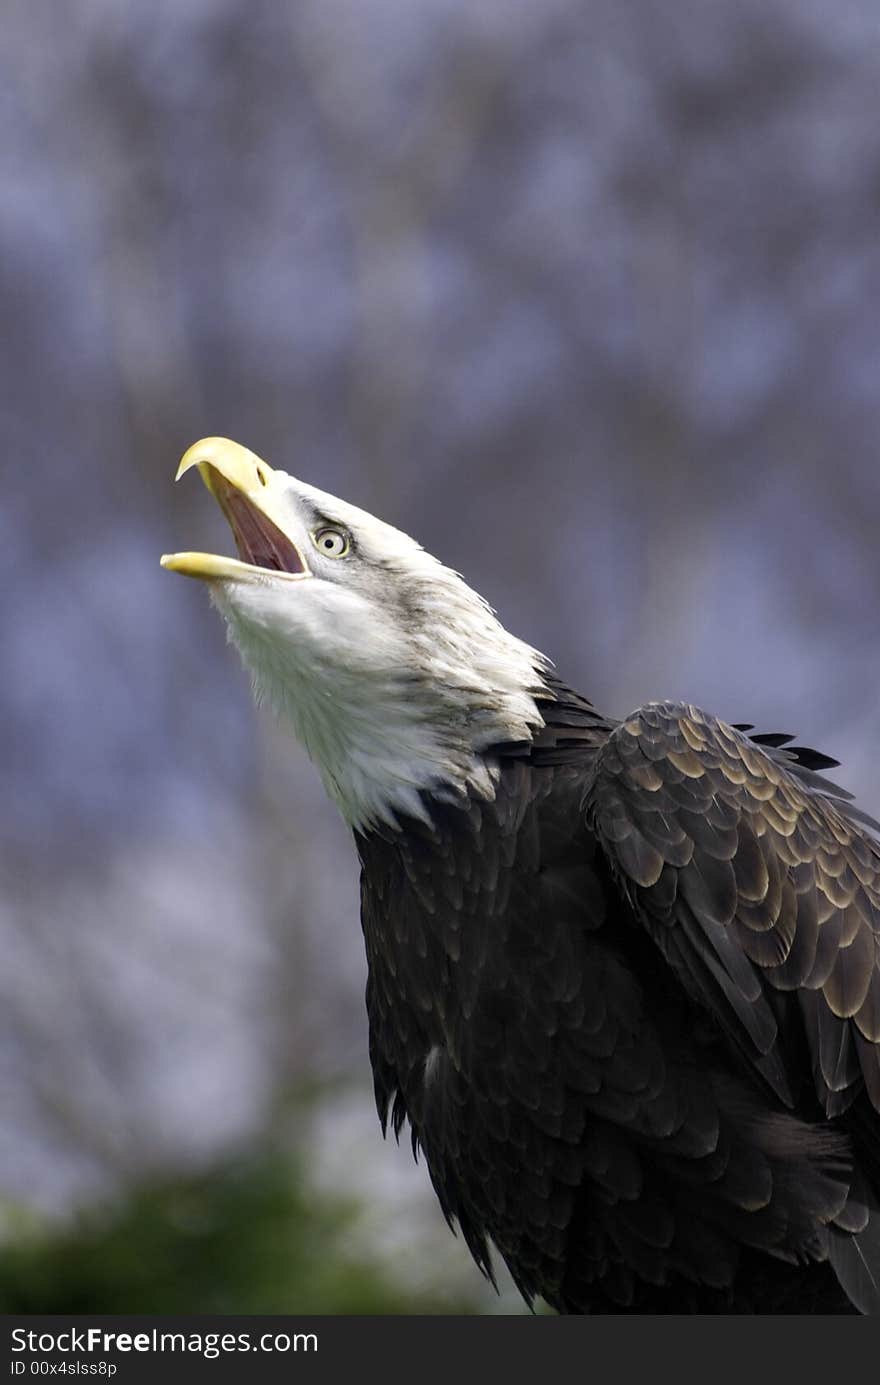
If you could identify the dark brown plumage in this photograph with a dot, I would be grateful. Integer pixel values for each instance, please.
(646, 982)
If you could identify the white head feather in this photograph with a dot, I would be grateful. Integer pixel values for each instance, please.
(391, 671)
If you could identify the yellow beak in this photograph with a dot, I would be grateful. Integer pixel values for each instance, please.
(223, 464)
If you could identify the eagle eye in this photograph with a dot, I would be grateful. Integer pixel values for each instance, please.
(333, 543)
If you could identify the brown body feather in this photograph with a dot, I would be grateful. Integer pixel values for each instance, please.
(631, 1009)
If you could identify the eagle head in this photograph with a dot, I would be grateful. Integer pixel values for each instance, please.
(392, 672)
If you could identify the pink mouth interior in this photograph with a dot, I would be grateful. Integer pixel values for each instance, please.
(259, 541)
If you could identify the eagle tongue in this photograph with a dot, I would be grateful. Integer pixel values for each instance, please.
(259, 542)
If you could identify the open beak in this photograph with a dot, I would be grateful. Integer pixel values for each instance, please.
(248, 493)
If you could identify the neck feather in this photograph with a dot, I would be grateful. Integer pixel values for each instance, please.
(408, 713)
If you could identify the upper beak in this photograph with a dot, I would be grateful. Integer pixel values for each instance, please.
(249, 495)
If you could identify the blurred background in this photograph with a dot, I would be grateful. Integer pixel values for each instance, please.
(582, 294)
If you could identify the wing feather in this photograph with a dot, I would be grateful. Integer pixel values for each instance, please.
(758, 881)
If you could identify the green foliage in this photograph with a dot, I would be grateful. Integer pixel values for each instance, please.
(248, 1237)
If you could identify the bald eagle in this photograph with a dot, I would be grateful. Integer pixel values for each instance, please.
(623, 975)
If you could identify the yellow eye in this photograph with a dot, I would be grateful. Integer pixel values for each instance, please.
(332, 542)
